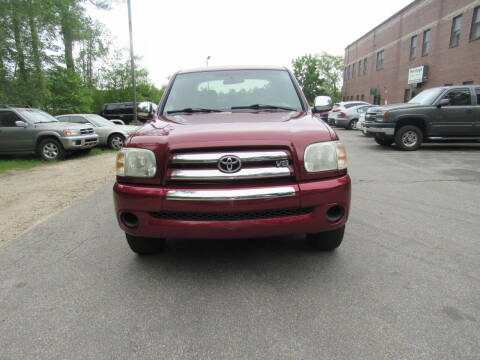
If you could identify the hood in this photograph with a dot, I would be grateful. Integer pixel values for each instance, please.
(129, 129)
(61, 126)
(230, 129)
(383, 108)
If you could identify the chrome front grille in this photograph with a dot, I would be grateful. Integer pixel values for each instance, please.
(261, 164)
(86, 131)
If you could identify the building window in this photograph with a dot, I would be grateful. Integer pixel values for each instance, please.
(456, 28)
(363, 97)
(380, 60)
(449, 84)
(348, 72)
(467, 82)
(359, 67)
(376, 100)
(475, 30)
(353, 70)
(406, 95)
(426, 42)
(365, 66)
(358, 97)
(413, 47)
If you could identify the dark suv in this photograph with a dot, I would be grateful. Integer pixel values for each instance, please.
(124, 111)
(448, 113)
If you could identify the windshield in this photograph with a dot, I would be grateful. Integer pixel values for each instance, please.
(98, 120)
(238, 89)
(426, 97)
(36, 116)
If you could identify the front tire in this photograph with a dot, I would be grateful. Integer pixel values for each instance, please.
(115, 141)
(409, 138)
(328, 240)
(145, 246)
(383, 141)
(352, 125)
(50, 150)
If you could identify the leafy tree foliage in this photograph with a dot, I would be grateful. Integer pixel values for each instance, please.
(319, 75)
(53, 55)
(305, 69)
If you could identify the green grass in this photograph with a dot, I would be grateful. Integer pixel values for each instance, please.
(28, 162)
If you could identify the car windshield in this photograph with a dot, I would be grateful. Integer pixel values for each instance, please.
(97, 120)
(36, 116)
(227, 90)
(426, 97)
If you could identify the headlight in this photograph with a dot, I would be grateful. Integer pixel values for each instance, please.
(383, 118)
(71, 132)
(324, 156)
(136, 163)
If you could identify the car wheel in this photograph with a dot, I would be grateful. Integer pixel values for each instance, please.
(409, 138)
(145, 246)
(352, 125)
(51, 149)
(328, 240)
(115, 141)
(383, 141)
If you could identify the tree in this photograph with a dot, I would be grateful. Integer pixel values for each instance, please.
(331, 69)
(306, 71)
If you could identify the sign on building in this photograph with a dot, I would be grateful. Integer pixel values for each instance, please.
(416, 75)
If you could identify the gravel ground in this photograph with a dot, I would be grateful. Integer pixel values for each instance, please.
(28, 197)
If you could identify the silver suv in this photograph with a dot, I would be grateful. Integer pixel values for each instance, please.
(27, 131)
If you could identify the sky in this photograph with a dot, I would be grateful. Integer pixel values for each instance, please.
(170, 35)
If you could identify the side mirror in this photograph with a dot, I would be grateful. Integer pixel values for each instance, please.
(20, 123)
(443, 102)
(322, 103)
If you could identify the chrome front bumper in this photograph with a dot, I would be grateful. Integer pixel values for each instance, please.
(79, 142)
(228, 195)
(378, 130)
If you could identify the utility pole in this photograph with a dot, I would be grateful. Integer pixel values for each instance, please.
(208, 58)
(134, 85)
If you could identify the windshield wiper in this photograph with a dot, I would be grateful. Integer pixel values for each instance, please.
(263, 106)
(192, 110)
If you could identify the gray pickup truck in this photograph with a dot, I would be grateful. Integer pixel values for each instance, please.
(26, 131)
(448, 113)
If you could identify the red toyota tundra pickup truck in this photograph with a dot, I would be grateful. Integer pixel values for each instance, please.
(233, 153)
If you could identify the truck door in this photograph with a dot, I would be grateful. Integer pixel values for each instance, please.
(476, 114)
(456, 118)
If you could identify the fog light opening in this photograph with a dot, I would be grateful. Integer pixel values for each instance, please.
(130, 220)
(335, 213)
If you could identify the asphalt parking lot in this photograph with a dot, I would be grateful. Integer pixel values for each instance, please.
(405, 284)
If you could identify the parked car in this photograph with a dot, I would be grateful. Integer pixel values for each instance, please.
(124, 111)
(342, 106)
(348, 118)
(447, 113)
(109, 134)
(361, 119)
(233, 152)
(24, 130)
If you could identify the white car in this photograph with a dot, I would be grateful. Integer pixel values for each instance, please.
(361, 120)
(342, 106)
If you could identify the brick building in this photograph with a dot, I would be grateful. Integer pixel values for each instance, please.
(426, 44)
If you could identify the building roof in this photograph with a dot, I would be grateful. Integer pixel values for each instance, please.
(413, 3)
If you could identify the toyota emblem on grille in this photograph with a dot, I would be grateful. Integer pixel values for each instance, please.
(229, 164)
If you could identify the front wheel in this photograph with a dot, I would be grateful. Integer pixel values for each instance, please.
(352, 125)
(409, 138)
(383, 141)
(115, 141)
(328, 240)
(51, 149)
(145, 246)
